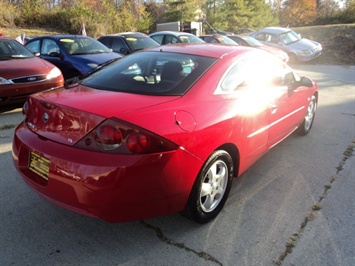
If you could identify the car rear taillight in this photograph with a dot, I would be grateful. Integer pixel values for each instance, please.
(115, 136)
(138, 143)
(108, 137)
(25, 108)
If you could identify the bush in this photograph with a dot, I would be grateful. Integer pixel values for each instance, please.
(8, 15)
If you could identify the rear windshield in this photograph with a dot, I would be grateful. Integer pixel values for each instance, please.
(157, 73)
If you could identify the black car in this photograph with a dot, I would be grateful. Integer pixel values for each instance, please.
(74, 55)
(127, 42)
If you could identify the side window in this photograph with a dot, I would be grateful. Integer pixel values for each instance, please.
(171, 39)
(49, 46)
(158, 38)
(105, 41)
(210, 40)
(260, 37)
(117, 44)
(272, 38)
(256, 71)
(34, 46)
(236, 76)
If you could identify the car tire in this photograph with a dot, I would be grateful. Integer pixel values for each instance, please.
(211, 188)
(307, 123)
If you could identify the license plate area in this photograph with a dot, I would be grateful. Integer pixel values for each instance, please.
(39, 165)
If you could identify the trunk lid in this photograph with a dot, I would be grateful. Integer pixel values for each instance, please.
(67, 115)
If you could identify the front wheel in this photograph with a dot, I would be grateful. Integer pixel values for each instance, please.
(307, 123)
(211, 188)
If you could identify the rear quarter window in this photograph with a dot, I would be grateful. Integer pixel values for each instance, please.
(156, 73)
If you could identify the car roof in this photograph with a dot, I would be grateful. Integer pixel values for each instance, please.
(212, 35)
(214, 50)
(127, 34)
(276, 30)
(172, 32)
(61, 36)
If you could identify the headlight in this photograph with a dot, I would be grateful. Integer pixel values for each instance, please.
(4, 81)
(55, 72)
(93, 66)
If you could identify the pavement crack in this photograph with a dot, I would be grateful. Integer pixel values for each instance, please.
(348, 114)
(163, 238)
(292, 241)
(9, 126)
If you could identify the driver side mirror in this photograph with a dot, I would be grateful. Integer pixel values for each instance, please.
(306, 82)
(55, 54)
(124, 51)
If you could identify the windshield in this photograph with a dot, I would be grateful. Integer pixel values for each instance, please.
(290, 37)
(11, 49)
(190, 39)
(226, 40)
(157, 73)
(83, 45)
(253, 42)
(139, 43)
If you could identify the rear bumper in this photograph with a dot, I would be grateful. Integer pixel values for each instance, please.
(116, 188)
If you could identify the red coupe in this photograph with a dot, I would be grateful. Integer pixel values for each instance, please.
(160, 131)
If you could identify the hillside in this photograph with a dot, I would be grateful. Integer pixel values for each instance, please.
(338, 41)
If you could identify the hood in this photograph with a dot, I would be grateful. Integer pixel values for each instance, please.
(67, 115)
(96, 58)
(15, 68)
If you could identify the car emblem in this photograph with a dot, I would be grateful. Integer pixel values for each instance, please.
(45, 118)
(31, 79)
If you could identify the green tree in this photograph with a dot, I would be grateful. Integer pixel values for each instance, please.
(231, 15)
(183, 10)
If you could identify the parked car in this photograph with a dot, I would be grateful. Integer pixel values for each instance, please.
(218, 39)
(128, 42)
(22, 73)
(124, 146)
(172, 37)
(252, 42)
(297, 48)
(74, 55)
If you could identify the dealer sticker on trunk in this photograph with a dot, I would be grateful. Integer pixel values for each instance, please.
(39, 165)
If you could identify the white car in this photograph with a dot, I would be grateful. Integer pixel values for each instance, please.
(297, 48)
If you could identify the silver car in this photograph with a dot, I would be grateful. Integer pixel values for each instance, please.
(298, 49)
(167, 37)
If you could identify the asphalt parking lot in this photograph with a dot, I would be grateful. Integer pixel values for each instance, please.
(295, 206)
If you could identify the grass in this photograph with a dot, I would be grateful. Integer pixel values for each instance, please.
(29, 32)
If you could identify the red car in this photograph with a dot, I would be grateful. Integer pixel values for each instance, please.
(160, 131)
(250, 41)
(22, 73)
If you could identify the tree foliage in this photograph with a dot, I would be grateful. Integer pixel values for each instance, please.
(231, 15)
(298, 12)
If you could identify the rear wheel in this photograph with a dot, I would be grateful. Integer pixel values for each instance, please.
(307, 123)
(211, 188)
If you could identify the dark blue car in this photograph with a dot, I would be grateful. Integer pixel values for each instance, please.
(74, 55)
